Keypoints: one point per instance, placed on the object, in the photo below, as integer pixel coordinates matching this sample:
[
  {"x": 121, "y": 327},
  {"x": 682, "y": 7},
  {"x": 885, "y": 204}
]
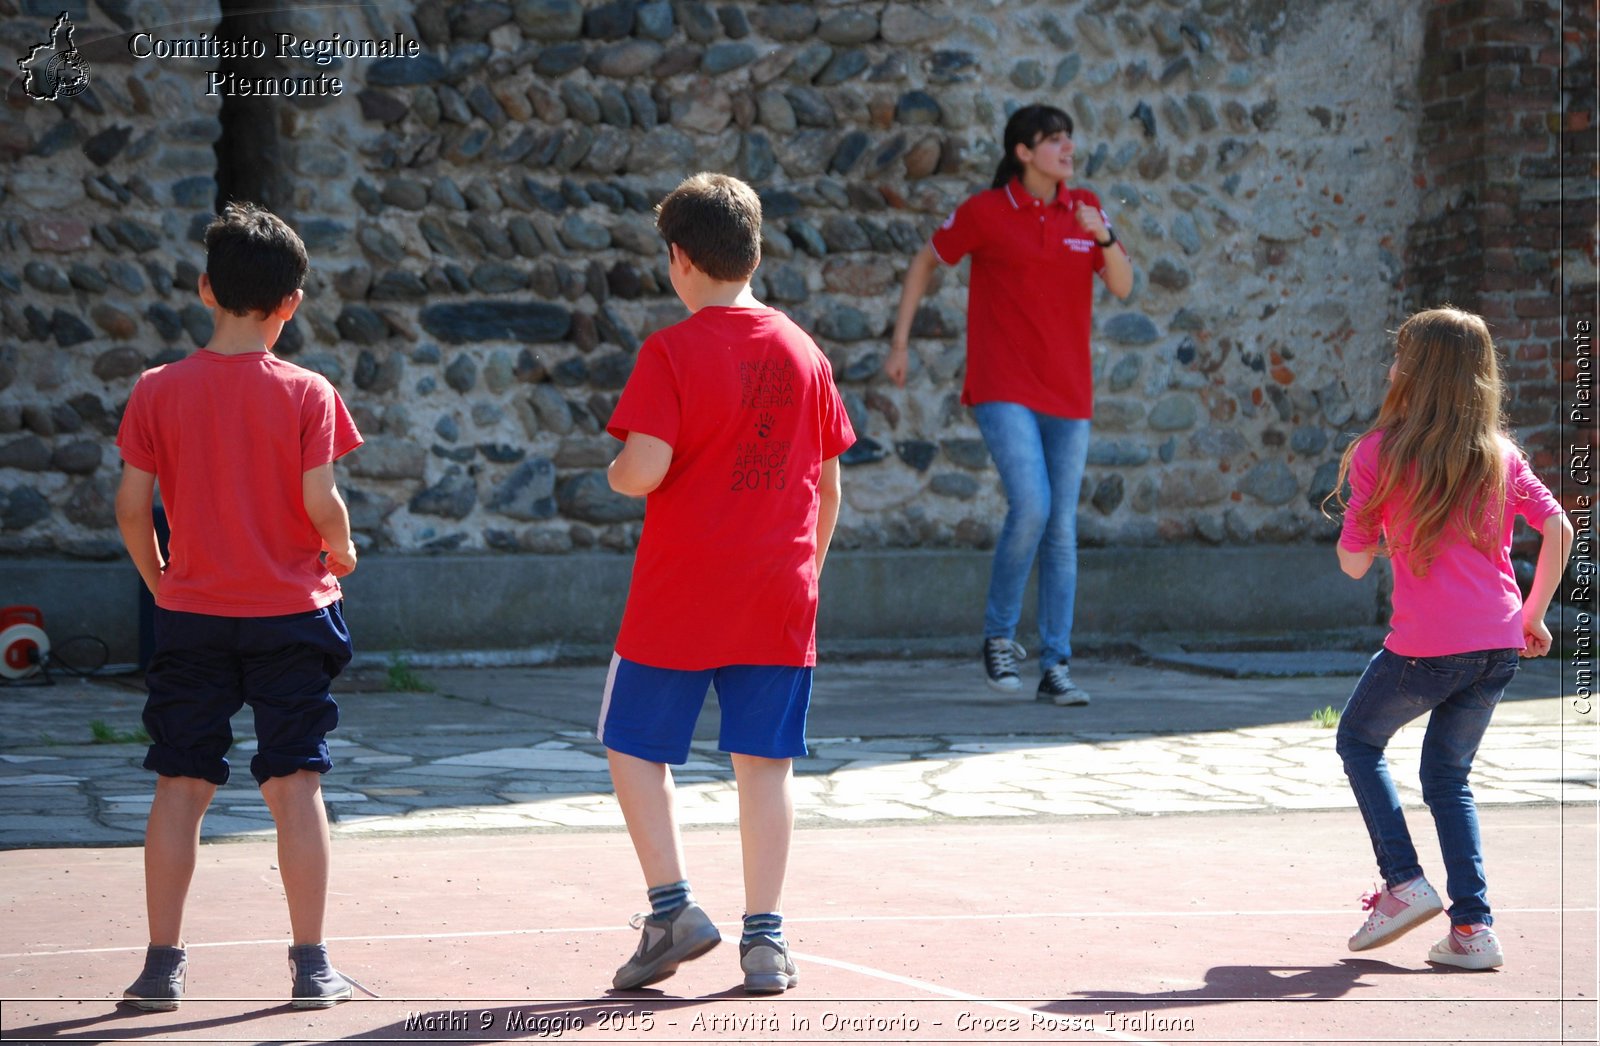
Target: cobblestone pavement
[{"x": 513, "y": 749}]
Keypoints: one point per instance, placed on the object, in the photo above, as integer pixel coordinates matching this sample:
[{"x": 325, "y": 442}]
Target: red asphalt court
[{"x": 1179, "y": 929}]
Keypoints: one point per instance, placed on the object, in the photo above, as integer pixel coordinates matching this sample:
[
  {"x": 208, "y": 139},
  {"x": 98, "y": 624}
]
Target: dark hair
[
  {"x": 716, "y": 220},
  {"x": 253, "y": 259},
  {"x": 1026, "y": 126}
]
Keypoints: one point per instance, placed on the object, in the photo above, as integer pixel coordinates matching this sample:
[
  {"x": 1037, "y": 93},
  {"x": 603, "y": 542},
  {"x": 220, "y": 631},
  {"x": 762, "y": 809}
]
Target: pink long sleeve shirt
[{"x": 1468, "y": 599}]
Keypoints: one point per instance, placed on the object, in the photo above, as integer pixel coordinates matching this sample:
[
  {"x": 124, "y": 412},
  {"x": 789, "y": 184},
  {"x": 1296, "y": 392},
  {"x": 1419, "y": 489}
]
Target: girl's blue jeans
[
  {"x": 1458, "y": 692},
  {"x": 1040, "y": 458}
]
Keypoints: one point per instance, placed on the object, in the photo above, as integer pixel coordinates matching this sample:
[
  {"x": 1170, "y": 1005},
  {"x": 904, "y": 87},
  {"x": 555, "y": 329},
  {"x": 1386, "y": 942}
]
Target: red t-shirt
[
  {"x": 726, "y": 571},
  {"x": 229, "y": 438},
  {"x": 1028, "y": 297}
]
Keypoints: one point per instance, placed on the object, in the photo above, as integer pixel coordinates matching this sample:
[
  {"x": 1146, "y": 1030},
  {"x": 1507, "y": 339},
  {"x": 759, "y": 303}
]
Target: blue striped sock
[
  {"x": 664, "y": 900},
  {"x": 768, "y": 925}
]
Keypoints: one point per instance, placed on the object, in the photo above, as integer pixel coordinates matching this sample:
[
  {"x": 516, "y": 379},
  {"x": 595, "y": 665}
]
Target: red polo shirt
[{"x": 1028, "y": 297}]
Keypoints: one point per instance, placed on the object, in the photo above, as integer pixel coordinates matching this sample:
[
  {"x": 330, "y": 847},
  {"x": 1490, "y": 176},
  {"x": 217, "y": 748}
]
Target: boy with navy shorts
[
  {"x": 732, "y": 428},
  {"x": 248, "y": 611}
]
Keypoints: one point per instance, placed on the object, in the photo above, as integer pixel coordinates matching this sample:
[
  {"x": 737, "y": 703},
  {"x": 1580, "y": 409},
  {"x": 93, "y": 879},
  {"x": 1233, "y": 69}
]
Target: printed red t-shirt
[
  {"x": 229, "y": 439},
  {"x": 725, "y": 573},
  {"x": 1028, "y": 297}
]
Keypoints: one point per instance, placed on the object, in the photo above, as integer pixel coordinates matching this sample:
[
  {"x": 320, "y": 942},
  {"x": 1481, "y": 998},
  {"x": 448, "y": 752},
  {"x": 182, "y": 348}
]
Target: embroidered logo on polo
[{"x": 1081, "y": 244}]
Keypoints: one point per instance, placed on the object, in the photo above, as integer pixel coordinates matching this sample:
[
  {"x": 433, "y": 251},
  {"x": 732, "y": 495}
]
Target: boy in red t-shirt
[
  {"x": 733, "y": 430},
  {"x": 247, "y": 610}
]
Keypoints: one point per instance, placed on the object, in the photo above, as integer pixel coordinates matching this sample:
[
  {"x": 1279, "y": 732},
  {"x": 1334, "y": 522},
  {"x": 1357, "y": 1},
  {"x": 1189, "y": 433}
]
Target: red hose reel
[{"x": 24, "y": 647}]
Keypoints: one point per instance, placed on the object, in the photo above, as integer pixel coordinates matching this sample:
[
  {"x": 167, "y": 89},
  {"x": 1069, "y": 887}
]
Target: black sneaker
[
  {"x": 687, "y": 933},
  {"x": 160, "y": 984},
  {"x": 1057, "y": 686},
  {"x": 317, "y": 985},
  {"x": 1000, "y": 657}
]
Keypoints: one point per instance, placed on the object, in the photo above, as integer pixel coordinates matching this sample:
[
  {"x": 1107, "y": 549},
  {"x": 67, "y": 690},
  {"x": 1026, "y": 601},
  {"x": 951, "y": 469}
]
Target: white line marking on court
[
  {"x": 952, "y": 993},
  {"x": 734, "y": 928}
]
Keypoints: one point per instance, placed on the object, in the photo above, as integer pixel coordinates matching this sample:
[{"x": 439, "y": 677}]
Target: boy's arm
[
  {"x": 328, "y": 514},
  {"x": 829, "y": 488},
  {"x": 640, "y": 466},
  {"x": 135, "y": 496},
  {"x": 1553, "y": 553}
]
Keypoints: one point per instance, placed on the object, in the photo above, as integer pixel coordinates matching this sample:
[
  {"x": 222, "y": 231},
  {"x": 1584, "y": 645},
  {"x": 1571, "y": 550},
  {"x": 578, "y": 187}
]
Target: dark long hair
[{"x": 1026, "y": 126}]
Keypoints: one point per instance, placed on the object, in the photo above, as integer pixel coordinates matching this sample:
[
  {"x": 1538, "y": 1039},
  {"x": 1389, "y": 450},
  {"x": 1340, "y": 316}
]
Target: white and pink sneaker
[
  {"x": 1469, "y": 947},
  {"x": 1393, "y": 911}
]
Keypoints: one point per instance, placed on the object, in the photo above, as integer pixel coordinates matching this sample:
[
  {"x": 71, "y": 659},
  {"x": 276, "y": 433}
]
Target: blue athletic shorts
[
  {"x": 650, "y": 712},
  {"x": 205, "y": 668}
]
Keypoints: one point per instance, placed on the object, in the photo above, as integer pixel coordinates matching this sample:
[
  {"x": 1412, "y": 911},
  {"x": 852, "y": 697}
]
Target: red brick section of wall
[
  {"x": 1579, "y": 134},
  {"x": 1507, "y": 163}
]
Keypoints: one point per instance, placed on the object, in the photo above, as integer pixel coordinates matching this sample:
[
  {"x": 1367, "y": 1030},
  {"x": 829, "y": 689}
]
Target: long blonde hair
[{"x": 1442, "y": 461}]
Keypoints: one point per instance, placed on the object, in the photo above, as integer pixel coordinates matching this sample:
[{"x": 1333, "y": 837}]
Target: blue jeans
[
  {"x": 1460, "y": 691},
  {"x": 1040, "y": 458}
]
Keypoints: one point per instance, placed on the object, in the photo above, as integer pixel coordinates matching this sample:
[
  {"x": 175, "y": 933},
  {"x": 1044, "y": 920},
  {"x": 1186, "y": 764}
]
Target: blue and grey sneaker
[
  {"x": 767, "y": 967},
  {"x": 160, "y": 986},
  {"x": 317, "y": 985},
  {"x": 1000, "y": 656},
  {"x": 687, "y": 933},
  {"x": 1056, "y": 685}
]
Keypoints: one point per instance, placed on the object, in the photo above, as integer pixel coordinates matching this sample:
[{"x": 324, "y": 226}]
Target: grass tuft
[
  {"x": 104, "y": 733},
  {"x": 402, "y": 677}
]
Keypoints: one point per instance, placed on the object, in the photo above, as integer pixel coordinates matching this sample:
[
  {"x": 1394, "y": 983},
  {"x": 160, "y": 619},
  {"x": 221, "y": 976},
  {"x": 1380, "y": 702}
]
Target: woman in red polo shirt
[{"x": 1036, "y": 245}]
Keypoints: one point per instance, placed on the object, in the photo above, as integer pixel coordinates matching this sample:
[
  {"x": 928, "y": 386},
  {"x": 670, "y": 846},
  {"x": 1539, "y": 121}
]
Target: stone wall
[
  {"x": 484, "y": 263},
  {"x": 99, "y": 199}
]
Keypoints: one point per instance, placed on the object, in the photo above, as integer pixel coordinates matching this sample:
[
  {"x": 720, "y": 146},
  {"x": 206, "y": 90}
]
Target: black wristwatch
[{"x": 1111, "y": 237}]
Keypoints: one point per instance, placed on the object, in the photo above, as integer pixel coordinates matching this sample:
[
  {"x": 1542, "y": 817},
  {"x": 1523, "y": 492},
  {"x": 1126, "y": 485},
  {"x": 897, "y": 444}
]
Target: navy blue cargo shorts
[{"x": 206, "y": 668}]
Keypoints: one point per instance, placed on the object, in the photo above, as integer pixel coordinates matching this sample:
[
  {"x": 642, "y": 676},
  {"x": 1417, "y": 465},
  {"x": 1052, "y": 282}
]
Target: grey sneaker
[
  {"x": 1057, "y": 685},
  {"x": 767, "y": 966},
  {"x": 317, "y": 985},
  {"x": 686, "y": 934},
  {"x": 160, "y": 986},
  {"x": 1000, "y": 663}
]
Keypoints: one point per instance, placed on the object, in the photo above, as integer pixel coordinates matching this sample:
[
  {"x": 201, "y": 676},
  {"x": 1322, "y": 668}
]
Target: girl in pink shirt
[{"x": 1436, "y": 484}]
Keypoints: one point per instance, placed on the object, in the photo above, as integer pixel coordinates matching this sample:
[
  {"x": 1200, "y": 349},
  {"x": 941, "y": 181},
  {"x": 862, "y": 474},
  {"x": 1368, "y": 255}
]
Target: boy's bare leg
[
  {"x": 644, "y": 791},
  {"x": 766, "y": 825},
  {"x": 303, "y": 849},
  {"x": 171, "y": 848}
]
